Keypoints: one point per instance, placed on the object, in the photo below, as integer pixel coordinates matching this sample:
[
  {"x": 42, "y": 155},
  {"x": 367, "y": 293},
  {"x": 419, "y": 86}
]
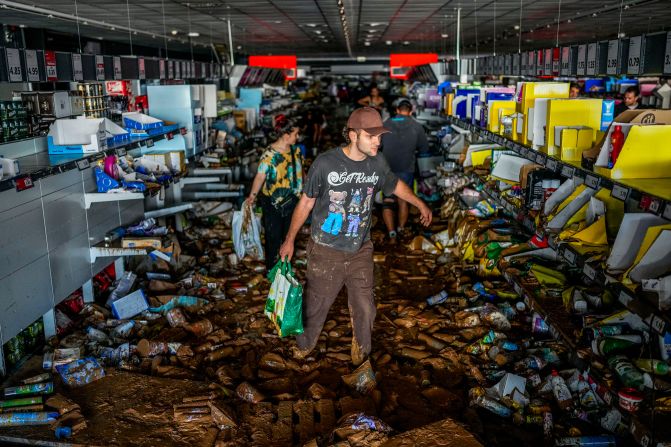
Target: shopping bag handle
[{"x": 286, "y": 267}]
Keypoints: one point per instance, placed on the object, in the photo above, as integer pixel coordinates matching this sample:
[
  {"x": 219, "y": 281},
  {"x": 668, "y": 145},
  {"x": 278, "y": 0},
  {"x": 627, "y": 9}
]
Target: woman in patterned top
[{"x": 279, "y": 179}]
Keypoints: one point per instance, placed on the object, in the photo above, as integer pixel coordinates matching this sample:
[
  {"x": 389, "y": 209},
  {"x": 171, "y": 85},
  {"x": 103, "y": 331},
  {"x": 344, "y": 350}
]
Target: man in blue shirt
[{"x": 398, "y": 147}]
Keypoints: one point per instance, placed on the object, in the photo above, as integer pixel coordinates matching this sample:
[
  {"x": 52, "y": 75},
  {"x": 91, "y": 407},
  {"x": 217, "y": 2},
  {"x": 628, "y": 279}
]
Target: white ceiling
[{"x": 313, "y": 27}]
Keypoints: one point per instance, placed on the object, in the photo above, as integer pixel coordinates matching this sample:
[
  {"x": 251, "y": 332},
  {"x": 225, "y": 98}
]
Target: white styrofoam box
[
  {"x": 62, "y": 105},
  {"x": 76, "y": 136},
  {"x": 136, "y": 120},
  {"x": 130, "y": 305},
  {"x": 8, "y": 167},
  {"x": 111, "y": 129}
]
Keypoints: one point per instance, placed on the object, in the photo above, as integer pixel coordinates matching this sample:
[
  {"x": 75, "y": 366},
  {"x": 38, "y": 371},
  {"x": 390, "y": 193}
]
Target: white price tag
[
  {"x": 654, "y": 206},
  {"x": 634, "y": 58},
  {"x": 570, "y": 256},
  {"x": 140, "y": 67},
  {"x": 117, "y": 67},
  {"x": 613, "y": 47},
  {"x": 592, "y": 181},
  {"x": 77, "y": 70},
  {"x": 565, "y": 61},
  {"x": 551, "y": 164},
  {"x": 161, "y": 68},
  {"x": 171, "y": 70},
  {"x": 625, "y": 298},
  {"x": 14, "y": 65},
  {"x": 100, "y": 68},
  {"x": 591, "y": 58},
  {"x": 567, "y": 171},
  {"x": 531, "y": 67},
  {"x": 620, "y": 192},
  {"x": 582, "y": 60},
  {"x": 32, "y": 69},
  {"x": 667, "y": 211},
  {"x": 658, "y": 324},
  {"x": 667, "y": 54},
  {"x": 589, "y": 271},
  {"x": 548, "y": 62}
]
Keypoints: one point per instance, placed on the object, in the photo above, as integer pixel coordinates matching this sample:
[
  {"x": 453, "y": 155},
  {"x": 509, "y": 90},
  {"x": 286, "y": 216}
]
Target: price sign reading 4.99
[{"x": 32, "y": 69}]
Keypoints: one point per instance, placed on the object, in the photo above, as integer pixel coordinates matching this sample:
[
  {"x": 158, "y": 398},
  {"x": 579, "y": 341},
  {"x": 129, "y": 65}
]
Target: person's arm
[
  {"x": 403, "y": 192},
  {"x": 256, "y": 187},
  {"x": 301, "y": 213},
  {"x": 422, "y": 142},
  {"x": 364, "y": 101}
]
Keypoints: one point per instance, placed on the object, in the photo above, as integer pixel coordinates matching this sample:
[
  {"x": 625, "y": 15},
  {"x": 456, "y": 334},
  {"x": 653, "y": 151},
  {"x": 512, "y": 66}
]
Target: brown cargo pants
[{"x": 327, "y": 271}]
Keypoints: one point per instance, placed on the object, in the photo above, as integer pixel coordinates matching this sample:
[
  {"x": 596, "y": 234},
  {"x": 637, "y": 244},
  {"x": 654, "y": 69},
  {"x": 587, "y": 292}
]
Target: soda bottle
[
  {"x": 653, "y": 366},
  {"x": 626, "y": 371},
  {"x": 616, "y": 143},
  {"x": 561, "y": 391},
  {"x": 495, "y": 407}
]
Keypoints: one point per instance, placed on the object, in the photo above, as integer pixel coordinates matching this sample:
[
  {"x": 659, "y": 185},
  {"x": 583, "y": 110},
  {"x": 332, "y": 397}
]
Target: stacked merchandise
[
  {"x": 14, "y": 124},
  {"x": 95, "y": 99}
]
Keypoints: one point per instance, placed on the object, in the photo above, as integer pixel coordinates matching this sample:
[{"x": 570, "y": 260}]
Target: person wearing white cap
[{"x": 339, "y": 191}]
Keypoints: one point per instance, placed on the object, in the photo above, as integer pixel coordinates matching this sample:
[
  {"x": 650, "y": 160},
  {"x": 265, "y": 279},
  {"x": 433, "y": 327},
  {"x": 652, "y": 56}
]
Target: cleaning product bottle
[
  {"x": 616, "y": 143},
  {"x": 561, "y": 391}
]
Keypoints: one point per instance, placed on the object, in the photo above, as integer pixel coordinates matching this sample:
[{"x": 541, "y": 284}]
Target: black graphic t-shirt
[{"x": 345, "y": 190}]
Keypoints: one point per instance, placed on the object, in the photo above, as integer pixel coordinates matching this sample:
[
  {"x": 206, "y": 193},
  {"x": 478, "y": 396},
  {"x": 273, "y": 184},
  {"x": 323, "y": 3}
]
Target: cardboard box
[
  {"x": 135, "y": 120},
  {"x": 571, "y": 113},
  {"x": 572, "y": 141},
  {"x": 130, "y": 305},
  {"x": 141, "y": 242},
  {"x": 529, "y": 92}
]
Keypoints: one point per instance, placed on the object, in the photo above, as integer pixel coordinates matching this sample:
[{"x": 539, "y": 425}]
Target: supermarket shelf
[
  {"x": 653, "y": 195},
  {"x": 211, "y": 171},
  {"x": 197, "y": 180},
  {"x": 168, "y": 211},
  {"x": 100, "y": 251},
  {"x": 110, "y": 197},
  {"x": 41, "y": 165}
]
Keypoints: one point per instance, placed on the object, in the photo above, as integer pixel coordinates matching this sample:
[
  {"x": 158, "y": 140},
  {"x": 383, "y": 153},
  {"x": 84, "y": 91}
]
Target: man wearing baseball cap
[{"x": 339, "y": 193}]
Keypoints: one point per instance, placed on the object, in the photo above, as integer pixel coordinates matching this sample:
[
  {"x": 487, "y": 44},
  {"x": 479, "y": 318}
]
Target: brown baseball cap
[{"x": 368, "y": 119}]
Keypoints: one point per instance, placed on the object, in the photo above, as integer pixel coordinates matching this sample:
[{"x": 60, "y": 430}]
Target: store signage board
[
  {"x": 613, "y": 46},
  {"x": 50, "y": 64},
  {"x": 634, "y": 60},
  {"x": 667, "y": 54},
  {"x": 565, "y": 61},
  {"x": 547, "y": 60},
  {"x": 117, "y": 67},
  {"x": 516, "y": 64},
  {"x": 582, "y": 57},
  {"x": 32, "y": 68},
  {"x": 539, "y": 63},
  {"x": 77, "y": 69},
  {"x": 591, "y": 59},
  {"x": 556, "y": 61},
  {"x": 171, "y": 69},
  {"x": 140, "y": 67},
  {"x": 100, "y": 68},
  {"x": 14, "y": 71},
  {"x": 531, "y": 67},
  {"x": 161, "y": 69},
  {"x": 524, "y": 63}
]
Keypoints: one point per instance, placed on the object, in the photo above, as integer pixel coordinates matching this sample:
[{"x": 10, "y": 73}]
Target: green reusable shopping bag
[{"x": 284, "y": 306}]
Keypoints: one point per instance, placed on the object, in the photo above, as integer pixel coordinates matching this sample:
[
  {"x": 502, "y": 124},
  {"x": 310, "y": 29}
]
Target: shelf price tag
[
  {"x": 140, "y": 67},
  {"x": 654, "y": 206},
  {"x": 547, "y": 61},
  {"x": 77, "y": 70},
  {"x": 620, "y": 192},
  {"x": 540, "y": 159},
  {"x": 589, "y": 271},
  {"x": 149, "y": 143},
  {"x": 611, "y": 64},
  {"x": 667, "y": 54},
  {"x": 50, "y": 65},
  {"x": 121, "y": 152},
  {"x": 634, "y": 60},
  {"x": 23, "y": 183},
  {"x": 667, "y": 211},
  {"x": 570, "y": 256},
  {"x": 14, "y": 65},
  {"x": 32, "y": 69},
  {"x": 591, "y": 58},
  {"x": 83, "y": 164},
  {"x": 567, "y": 171},
  {"x": 625, "y": 298},
  {"x": 100, "y": 68},
  {"x": 582, "y": 60},
  {"x": 117, "y": 67},
  {"x": 592, "y": 181},
  {"x": 551, "y": 164}
]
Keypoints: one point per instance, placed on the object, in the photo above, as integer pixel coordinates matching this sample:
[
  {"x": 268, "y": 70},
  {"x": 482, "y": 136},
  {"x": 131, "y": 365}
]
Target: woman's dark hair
[{"x": 283, "y": 127}]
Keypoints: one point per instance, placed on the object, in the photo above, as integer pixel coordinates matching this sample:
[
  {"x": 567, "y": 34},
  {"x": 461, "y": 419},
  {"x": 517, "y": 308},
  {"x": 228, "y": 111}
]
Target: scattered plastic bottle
[
  {"x": 63, "y": 432},
  {"x": 96, "y": 334},
  {"x": 626, "y": 371},
  {"x": 561, "y": 391},
  {"x": 586, "y": 441},
  {"x": 438, "y": 298},
  {"x": 616, "y": 143},
  {"x": 653, "y": 366}
]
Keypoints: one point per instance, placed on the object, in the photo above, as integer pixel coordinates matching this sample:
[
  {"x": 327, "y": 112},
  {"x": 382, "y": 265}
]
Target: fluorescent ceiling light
[{"x": 193, "y": 34}]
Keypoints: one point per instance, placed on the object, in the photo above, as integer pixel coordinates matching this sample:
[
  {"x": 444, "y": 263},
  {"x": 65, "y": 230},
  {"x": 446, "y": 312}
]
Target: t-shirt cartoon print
[{"x": 345, "y": 190}]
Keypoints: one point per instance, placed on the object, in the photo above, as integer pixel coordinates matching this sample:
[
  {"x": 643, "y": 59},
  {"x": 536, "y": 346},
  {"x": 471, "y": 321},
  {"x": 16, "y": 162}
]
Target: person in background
[
  {"x": 338, "y": 194},
  {"x": 574, "y": 90},
  {"x": 398, "y": 147},
  {"x": 631, "y": 101},
  {"x": 373, "y": 100},
  {"x": 279, "y": 179}
]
